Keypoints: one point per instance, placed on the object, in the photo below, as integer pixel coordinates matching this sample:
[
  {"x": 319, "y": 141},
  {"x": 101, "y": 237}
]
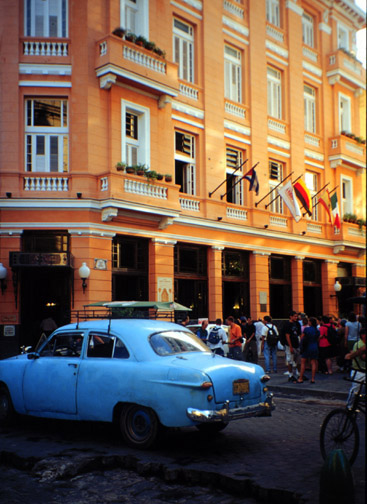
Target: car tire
[
  {"x": 6, "y": 406},
  {"x": 212, "y": 428},
  {"x": 139, "y": 426}
]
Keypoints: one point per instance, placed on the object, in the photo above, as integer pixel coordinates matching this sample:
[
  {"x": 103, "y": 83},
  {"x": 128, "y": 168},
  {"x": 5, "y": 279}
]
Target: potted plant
[
  {"x": 140, "y": 169},
  {"x": 168, "y": 177},
  {"x": 141, "y": 41},
  {"x": 361, "y": 223},
  {"x": 119, "y": 32},
  {"x": 149, "y": 45},
  {"x": 130, "y": 37},
  {"x": 159, "y": 52},
  {"x": 151, "y": 175},
  {"x": 120, "y": 166},
  {"x": 159, "y": 176},
  {"x": 130, "y": 169}
]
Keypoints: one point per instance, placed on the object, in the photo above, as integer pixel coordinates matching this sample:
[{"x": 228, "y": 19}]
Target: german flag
[{"x": 304, "y": 195}]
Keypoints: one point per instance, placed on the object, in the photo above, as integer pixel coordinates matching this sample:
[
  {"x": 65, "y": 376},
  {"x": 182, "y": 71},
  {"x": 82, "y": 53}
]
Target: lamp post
[
  {"x": 84, "y": 273},
  {"x": 337, "y": 288},
  {"x": 3, "y": 275}
]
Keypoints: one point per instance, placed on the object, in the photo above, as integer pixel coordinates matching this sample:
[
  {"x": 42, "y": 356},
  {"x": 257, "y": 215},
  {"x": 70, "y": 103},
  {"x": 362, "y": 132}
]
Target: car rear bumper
[{"x": 227, "y": 414}]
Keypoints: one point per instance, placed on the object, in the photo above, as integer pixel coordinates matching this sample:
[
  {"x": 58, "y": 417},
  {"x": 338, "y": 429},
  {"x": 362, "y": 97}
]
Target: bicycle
[{"x": 339, "y": 429}]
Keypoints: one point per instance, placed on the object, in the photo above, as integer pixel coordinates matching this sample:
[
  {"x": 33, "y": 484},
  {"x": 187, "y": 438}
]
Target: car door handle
[{"x": 72, "y": 364}]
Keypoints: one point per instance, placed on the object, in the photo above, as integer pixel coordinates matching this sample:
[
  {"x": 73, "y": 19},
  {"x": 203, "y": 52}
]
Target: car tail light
[{"x": 206, "y": 385}]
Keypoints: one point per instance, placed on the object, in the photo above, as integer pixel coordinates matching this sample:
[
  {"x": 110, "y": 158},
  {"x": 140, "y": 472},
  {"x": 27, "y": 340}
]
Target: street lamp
[
  {"x": 3, "y": 274},
  {"x": 84, "y": 273},
  {"x": 337, "y": 288}
]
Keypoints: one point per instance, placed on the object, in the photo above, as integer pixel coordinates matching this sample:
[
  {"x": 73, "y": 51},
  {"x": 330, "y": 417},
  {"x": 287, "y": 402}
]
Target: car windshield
[{"x": 175, "y": 342}]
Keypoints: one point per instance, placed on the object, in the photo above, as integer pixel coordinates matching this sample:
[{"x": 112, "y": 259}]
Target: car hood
[{"x": 222, "y": 373}]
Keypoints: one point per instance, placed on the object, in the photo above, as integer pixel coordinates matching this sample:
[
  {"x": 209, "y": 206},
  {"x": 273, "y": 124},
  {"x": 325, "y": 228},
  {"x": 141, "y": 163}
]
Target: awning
[{"x": 154, "y": 305}]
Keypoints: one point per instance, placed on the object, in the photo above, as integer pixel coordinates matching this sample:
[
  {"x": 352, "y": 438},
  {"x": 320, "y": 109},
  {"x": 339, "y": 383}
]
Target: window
[
  {"x": 190, "y": 260},
  {"x": 275, "y": 177},
  {"x": 343, "y": 37},
  {"x": 183, "y": 49},
  {"x": 234, "y": 186},
  {"x": 185, "y": 175},
  {"x": 63, "y": 345},
  {"x": 274, "y": 93},
  {"x": 344, "y": 113},
  {"x": 136, "y": 140},
  {"x": 46, "y": 135},
  {"x": 232, "y": 74},
  {"x": 45, "y": 241},
  {"x": 45, "y": 18},
  {"x": 307, "y": 30},
  {"x": 134, "y": 16},
  {"x": 347, "y": 196},
  {"x": 273, "y": 12},
  {"x": 309, "y": 97},
  {"x": 312, "y": 185}
]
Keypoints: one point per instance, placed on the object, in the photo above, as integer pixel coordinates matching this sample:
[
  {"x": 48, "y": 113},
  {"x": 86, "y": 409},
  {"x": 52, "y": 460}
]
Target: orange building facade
[{"x": 199, "y": 90}]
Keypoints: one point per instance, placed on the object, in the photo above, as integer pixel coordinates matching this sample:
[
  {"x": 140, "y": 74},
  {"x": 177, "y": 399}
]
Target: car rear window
[{"x": 176, "y": 342}]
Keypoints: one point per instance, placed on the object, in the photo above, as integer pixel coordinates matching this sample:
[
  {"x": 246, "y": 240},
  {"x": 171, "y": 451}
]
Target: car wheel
[
  {"x": 6, "y": 406},
  {"x": 139, "y": 426},
  {"x": 212, "y": 428}
]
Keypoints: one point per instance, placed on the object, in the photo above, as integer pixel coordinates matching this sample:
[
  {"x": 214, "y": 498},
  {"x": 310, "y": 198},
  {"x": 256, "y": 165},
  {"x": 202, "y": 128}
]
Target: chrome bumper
[{"x": 226, "y": 414}]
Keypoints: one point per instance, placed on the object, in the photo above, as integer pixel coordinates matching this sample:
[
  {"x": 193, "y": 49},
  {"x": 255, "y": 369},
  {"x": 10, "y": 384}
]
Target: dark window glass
[
  {"x": 235, "y": 264},
  {"x": 280, "y": 268},
  {"x": 131, "y": 125},
  {"x": 312, "y": 271},
  {"x": 190, "y": 260},
  {"x": 130, "y": 254},
  {"x": 44, "y": 241}
]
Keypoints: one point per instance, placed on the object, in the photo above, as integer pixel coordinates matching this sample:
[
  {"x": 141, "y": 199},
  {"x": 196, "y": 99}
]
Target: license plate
[{"x": 241, "y": 386}]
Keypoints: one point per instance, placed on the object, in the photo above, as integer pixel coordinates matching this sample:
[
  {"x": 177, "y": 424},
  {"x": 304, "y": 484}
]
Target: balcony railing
[
  {"x": 45, "y": 47},
  {"x": 45, "y": 183},
  {"x": 342, "y": 65}
]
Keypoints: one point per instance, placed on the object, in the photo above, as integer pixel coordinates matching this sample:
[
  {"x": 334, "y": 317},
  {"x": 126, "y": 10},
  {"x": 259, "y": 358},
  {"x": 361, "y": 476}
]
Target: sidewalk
[{"x": 333, "y": 386}]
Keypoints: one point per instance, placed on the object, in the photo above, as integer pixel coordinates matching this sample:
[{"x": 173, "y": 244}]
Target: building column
[
  {"x": 297, "y": 284},
  {"x": 215, "y": 285},
  {"x": 161, "y": 270},
  {"x": 330, "y": 303},
  {"x": 259, "y": 284}
]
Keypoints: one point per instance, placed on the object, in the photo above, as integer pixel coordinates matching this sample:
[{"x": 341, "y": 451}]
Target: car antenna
[{"x": 109, "y": 322}]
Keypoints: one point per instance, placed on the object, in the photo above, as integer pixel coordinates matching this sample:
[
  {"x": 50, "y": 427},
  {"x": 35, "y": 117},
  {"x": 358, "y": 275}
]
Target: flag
[
  {"x": 324, "y": 200},
  {"x": 251, "y": 176},
  {"x": 304, "y": 195},
  {"x": 335, "y": 210},
  {"x": 289, "y": 198}
]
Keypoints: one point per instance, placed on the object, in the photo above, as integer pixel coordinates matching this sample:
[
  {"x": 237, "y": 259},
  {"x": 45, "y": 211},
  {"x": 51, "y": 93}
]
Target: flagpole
[
  {"x": 336, "y": 187},
  {"x": 266, "y": 195},
  {"x": 276, "y": 197},
  {"x": 238, "y": 181},
  {"x": 210, "y": 194}
]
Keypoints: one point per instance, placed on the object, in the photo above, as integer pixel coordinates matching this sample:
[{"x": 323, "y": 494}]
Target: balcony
[
  {"x": 346, "y": 150},
  {"x": 118, "y": 60},
  {"x": 342, "y": 66}
]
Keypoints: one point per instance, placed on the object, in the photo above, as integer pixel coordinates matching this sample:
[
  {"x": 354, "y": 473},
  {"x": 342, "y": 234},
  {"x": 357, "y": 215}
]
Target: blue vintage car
[{"x": 142, "y": 374}]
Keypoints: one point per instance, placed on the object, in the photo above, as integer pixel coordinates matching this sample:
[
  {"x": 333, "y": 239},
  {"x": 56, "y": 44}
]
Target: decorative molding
[
  {"x": 313, "y": 155},
  {"x": 44, "y": 69},
  {"x": 325, "y": 28},
  {"x": 243, "y": 30},
  {"x": 260, "y": 253},
  {"x": 235, "y": 36},
  {"x": 299, "y": 258},
  {"x": 278, "y": 142},
  {"x": 335, "y": 75},
  {"x": 187, "y": 109},
  {"x": 277, "y": 49},
  {"x": 218, "y": 248},
  {"x": 195, "y": 4},
  {"x": 53, "y": 84},
  {"x": 187, "y": 121},
  {"x": 165, "y": 222},
  {"x": 163, "y": 101},
  {"x": 107, "y": 80},
  {"x": 294, "y": 7},
  {"x": 108, "y": 214},
  {"x": 312, "y": 68},
  {"x": 338, "y": 249},
  {"x": 238, "y": 139},
  {"x": 279, "y": 153},
  {"x": 237, "y": 128},
  {"x": 163, "y": 241}
]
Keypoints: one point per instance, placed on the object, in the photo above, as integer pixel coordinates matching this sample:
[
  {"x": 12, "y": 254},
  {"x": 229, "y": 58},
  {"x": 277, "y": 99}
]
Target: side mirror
[{"x": 33, "y": 355}]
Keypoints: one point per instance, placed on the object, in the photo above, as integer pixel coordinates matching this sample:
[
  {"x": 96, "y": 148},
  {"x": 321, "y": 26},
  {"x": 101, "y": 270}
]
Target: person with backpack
[
  {"x": 269, "y": 344},
  {"x": 217, "y": 338},
  {"x": 290, "y": 340},
  {"x": 202, "y": 332},
  {"x": 235, "y": 339},
  {"x": 250, "y": 348}
]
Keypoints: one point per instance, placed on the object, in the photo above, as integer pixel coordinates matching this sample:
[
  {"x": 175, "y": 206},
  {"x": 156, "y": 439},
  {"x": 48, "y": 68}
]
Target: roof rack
[{"x": 120, "y": 313}]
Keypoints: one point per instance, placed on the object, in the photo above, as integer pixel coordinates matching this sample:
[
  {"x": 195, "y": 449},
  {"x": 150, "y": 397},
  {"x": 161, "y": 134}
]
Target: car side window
[
  {"x": 121, "y": 352},
  {"x": 100, "y": 345},
  {"x": 63, "y": 345}
]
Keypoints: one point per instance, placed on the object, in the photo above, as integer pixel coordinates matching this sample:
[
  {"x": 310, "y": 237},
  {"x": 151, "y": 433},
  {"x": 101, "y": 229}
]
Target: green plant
[
  {"x": 168, "y": 177},
  {"x": 159, "y": 176},
  {"x": 141, "y": 41},
  {"x": 130, "y": 169},
  {"x": 149, "y": 45},
  {"x": 361, "y": 223},
  {"x": 159, "y": 52},
  {"x": 119, "y": 31},
  {"x": 120, "y": 166},
  {"x": 350, "y": 217},
  {"x": 130, "y": 37}
]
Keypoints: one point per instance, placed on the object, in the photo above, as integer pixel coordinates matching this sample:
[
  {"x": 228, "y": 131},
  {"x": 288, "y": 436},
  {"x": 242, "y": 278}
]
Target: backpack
[
  {"x": 272, "y": 337},
  {"x": 332, "y": 335},
  {"x": 214, "y": 337}
]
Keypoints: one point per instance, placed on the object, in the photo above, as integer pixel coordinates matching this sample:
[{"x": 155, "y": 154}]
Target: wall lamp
[
  {"x": 84, "y": 273},
  {"x": 9, "y": 195},
  {"x": 219, "y": 218},
  {"x": 3, "y": 274},
  {"x": 266, "y": 226},
  {"x": 337, "y": 288},
  {"x": 79, "y": 195}
]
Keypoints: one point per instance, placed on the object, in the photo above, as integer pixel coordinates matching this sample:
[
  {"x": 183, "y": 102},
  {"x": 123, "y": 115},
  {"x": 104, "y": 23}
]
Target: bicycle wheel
[{"x": 339, "y": 430}]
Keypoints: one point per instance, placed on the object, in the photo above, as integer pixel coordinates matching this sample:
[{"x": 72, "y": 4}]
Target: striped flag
[
  {"x": 324, "y": 201},
  {"x": 289, "y": 198},
  {"x": 304, "y": 195},
  {"x": 335, "y": 210},
  {"x": 251, "y": 176}
]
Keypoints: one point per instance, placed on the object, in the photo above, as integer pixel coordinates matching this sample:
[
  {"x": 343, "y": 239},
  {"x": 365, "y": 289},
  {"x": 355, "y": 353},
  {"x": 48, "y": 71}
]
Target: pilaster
[
  {"x": 161, "y": 270},
  {"x": 329, "y": 271},
  {"x": 215, "y": 282},
  {"x": 297, "y": 284},
  {"x": 259, "y": 284}
]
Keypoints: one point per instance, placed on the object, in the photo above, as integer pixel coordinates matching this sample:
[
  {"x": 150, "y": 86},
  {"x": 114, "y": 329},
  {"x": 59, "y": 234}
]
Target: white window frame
[
  {"x": 274, "y": 85},
  {"x": 309, "y": 98},
  {"x": 183, "y": 49},
  {"x": 142, "y": 143},
  {"x": 346, "y": 193},
  {"x": 275, "y": 206},
  {"x": 343, "y": 37},
  {"x": 273, "y": 12},
  {"x": 35, "y": 162},
  {"x": 189, "y": 170},
  {"x": 33, "y": 7},
  {"x": 134, "y": 16},
  {"x": 232, "y": 74},
  {"x": 308, "y": 34},
  {"x": 345, "y": 113},
  {"x": 311, "y": 181},
  {"x": 237, "y": 187}
]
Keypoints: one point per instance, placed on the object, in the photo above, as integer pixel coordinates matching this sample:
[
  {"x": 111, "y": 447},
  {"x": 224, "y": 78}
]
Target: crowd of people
[{"x": 322, "y": 344}]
